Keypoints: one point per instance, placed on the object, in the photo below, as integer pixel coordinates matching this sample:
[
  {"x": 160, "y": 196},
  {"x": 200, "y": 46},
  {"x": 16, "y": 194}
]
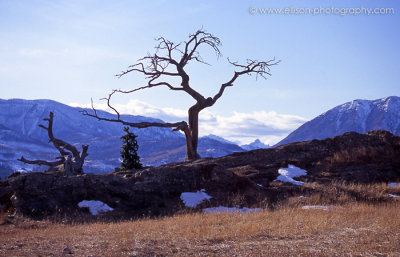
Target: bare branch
[
  {"x": 259, "y": 68},
  {"x": 156, "y": 66},
  {"x": 108, "y": 103},
  {"x": 58, "y": 143},
  {"x": 176, "y": 125},
  {"x": 199, "y": 38},
  {"x": 41, "y": 162}
]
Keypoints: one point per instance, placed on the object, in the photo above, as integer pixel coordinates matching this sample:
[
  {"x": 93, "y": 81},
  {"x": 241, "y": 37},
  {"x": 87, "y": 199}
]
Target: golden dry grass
[
  {"x": 349, "y": 229},
  {"x": 341, "y": 192},
  {"x": 359, "y": 155}
]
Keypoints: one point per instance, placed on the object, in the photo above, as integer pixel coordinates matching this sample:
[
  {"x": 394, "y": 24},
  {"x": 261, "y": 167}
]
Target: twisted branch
[
  {"x": 78, "y": 158},
  {"x": 41, "y": 162},
  {"x": 58, "y": 143}
]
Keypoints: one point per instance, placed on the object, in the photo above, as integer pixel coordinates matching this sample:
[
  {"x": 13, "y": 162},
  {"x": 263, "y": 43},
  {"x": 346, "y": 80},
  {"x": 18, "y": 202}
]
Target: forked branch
[
  {"x": 58, "y": 143},
  {"x": 252, "y": 67},
  {"x": 71, "y": 160}
]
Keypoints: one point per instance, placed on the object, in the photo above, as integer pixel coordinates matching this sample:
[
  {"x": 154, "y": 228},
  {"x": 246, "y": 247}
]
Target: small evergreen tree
[{"x": 130, "y": 157}]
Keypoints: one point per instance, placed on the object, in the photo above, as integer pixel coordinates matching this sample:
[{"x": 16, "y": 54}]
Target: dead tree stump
[{"x": 70, "y": 161}]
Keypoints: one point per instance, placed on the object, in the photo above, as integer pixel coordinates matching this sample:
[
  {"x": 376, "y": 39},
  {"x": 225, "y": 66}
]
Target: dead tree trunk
[{"x": 69, "y": 162}]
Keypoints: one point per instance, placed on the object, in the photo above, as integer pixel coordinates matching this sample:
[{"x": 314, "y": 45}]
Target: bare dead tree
[
  {"x": 70, "y": 160},
  {"x": 170, "y": 61}
]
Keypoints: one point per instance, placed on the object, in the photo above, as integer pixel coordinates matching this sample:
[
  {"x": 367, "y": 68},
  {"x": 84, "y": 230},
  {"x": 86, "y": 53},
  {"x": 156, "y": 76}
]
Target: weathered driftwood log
[{"x": 70, "y": 160}]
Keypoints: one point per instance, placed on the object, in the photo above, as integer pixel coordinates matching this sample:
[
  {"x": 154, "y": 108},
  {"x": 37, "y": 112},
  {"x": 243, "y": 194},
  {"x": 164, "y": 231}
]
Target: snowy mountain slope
[
  {"x": 218, "y": 138},
  {"x": 257, "y": 144},
  {"x": 21, "y": 135},
  {"x": 358, "y": 115}
]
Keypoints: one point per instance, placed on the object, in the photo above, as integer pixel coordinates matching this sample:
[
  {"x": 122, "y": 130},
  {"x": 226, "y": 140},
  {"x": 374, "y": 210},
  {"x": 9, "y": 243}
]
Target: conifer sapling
[{"x": 130, "y": 157}]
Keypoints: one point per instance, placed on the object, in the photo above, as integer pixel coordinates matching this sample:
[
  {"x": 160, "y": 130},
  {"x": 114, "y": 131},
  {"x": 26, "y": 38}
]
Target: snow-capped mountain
[
  {"x": 21, "y": 135},
  {"x": 358, "y": 115},
  {"x": 218, "y": 138},
  {"x": 257, "y": 144}
]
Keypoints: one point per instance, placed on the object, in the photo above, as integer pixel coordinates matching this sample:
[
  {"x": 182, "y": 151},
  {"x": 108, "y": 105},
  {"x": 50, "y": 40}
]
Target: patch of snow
[
  {"x": 385, "y": 102},
  {"x": 95, "y": 207},
  {"x": 287, "y": 175},
  {"x": 221, "y": 209},
  {"x": 259, "y": 185},
  {"x": 191, "y": 199},
  {"x": 320, "y": 207},
  {"x": 315, "y": 207},
  {"x": 302, "y": 196},
  {"x": 393, "y": 196},
  {"x": 393, "y": 184},
  {"x": 24, "y": 170}
]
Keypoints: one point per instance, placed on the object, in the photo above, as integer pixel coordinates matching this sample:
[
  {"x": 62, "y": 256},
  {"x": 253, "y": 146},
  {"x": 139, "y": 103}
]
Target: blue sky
[{"x": 70, "y": 51}]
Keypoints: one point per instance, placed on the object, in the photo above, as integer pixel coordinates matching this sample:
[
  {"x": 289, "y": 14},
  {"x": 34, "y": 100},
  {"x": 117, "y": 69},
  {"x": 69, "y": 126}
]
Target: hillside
[
  {"x": 358, "y": 116},
  {"x": 20, "y": 135}
]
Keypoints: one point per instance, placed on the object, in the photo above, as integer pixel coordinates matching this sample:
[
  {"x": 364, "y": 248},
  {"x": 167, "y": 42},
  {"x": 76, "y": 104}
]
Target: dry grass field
[{"x": 350, "y": 227}]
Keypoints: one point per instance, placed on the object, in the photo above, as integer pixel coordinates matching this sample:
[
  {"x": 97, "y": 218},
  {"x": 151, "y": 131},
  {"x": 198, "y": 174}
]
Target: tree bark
[
  {"x": 191, "y": 153},
  {"x": 193, "y": 116}
]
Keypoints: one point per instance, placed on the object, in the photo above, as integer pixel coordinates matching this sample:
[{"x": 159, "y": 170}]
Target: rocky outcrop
[
  {"x": 150, "y": 191},
  {"x": 371, "y": 157},
  {"x": 360, "y": 158}
]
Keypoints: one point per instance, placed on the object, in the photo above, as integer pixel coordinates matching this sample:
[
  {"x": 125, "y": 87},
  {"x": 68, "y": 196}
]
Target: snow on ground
[
  {"x": 23, "y": 170},
  {"x": 221, "y": 209},
  {"x": 95, "y": 207},
  {"x": 191, "y": 199},
  {"x": 393, "y": 184},
  {"x": 315, "y": 207},
  {"x": 320, "y": 207},
  {"x": 287, "y": 175},
  {"x": 392, "y": 195}
]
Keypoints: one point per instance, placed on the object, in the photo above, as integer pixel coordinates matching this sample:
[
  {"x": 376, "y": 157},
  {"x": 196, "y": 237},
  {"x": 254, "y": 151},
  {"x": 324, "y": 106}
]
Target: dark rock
[
  {"x": 14, "y": 174},
  {"x": 151, "y": 191},
  {"x": 360, "y": 158},
  {"x": 67, "y": 250}
]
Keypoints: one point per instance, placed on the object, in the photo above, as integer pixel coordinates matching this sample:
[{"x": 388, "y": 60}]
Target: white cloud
[
  {"x": 269, "y": 127},
  {"x": 243, "y": 128}
]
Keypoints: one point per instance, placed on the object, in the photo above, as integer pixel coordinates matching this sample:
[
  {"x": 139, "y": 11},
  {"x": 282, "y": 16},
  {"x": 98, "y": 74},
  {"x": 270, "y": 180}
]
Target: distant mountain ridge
[
  {"x": 358, "y": 116},
  {"x": 256, "y": 144},
  {"x": 20, "y": 135}
]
